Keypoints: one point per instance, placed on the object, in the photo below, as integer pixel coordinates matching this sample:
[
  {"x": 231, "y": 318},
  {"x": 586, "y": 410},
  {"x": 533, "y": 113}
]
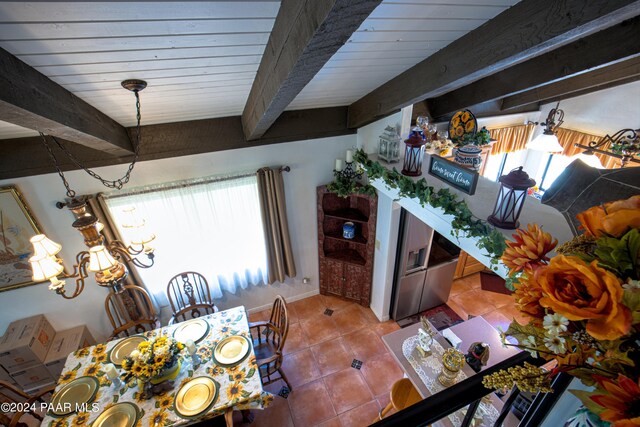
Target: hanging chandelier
[
  {"x": 105, "y": 260},
  {"x": 547, "y": 141},
  {"x": 623, "y": 145}
]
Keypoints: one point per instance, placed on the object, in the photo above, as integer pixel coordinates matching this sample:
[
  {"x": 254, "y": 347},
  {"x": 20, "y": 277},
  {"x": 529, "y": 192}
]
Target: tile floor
[{"x": 319, "y": 350}]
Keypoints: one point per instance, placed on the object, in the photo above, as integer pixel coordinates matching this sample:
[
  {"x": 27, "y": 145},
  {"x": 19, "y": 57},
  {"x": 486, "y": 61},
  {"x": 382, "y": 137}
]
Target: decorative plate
[
  {"x": 195, "y": 397},
  {"x": 463, "y": 122},
  {"x": 124, "y": 348},
  {"x": 195, "y": 329},
  {"x": 124, "y": 414},
  {"x": 231, "y": 350},
  {"x": 77, "y": 392}
]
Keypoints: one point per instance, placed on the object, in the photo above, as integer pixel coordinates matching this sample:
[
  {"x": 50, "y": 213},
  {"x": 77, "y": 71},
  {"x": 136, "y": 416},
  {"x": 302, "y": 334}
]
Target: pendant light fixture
[
  {"x": 547, "y": 141},
  {"x": 623, "y": 145},
  {"x": 105, "y": 260}
]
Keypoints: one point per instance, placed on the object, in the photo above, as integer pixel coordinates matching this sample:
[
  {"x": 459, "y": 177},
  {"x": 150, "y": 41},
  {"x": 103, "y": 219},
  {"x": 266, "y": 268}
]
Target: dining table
[
  {"x": 203, "y": 388},
  {"x": 423, "y": 370}
]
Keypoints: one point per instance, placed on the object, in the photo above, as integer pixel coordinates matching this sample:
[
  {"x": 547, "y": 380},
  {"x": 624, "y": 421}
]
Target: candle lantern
[
  {"x": 414, "y": 153},
  {"x": 389, "y": 145},
  {"x": 511, "y": 197}
]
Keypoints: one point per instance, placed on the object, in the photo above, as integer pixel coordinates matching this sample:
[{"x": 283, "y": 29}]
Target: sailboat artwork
[{"x": 16, "y": 228}]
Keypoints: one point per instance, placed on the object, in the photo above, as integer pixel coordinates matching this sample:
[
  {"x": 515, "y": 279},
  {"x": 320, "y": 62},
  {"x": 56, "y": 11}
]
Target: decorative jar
[
  {"x": 348, "y": 230},
  {"x": 470, "y": 156}
]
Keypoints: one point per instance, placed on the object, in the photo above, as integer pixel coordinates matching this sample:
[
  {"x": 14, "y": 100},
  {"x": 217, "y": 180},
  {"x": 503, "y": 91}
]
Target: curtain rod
[{"x": 187, "y": 183}]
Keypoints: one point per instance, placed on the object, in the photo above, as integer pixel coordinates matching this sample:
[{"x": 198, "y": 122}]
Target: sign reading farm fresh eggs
[{"x": 453, "y": 174}]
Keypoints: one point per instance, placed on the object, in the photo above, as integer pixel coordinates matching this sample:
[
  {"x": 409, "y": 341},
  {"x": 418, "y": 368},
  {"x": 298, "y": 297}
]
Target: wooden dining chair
[
  {"x": 403, "y": 394},
  {"x": 131, "y": 312},
  {"x": 189, "y": 296},
  {"x": 268, "y": 342},
  {"x": 13, "y": 395}
]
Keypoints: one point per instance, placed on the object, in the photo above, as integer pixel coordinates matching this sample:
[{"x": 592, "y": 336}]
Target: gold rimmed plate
[
  {"x": 195, "y": 329},
  {"x": 231, "y": 350},
  {"x": 195, "y": 397},
  {"x": 124, "y": 348},
  {"x": 77, "y": 392},
  {"x": 124, "y": 414}
]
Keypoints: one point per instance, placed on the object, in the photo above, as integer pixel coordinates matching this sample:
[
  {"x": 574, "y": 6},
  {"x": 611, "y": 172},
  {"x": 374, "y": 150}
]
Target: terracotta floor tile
[
  {"x": 384, "y": 328},
  {"x": 381, "y": 372},
  {"x": 260, "y": 315},
  {"x": 350, "y": 319},
  {"x": 459, "y": 310},
  {"x": 473, "y": 280},
  {"x": 300, "y": 368},
  {"x": 473, "y": 303},
  {"x": 459, "y": 286},
  {"x": 383, "y": 400},
  {"x": 347, "y": 389},
  {"x": 308, "y": 307},
  {"x": 362, "y": 416},
  {"x": 496, "y": 299},
  {"x": 335, "y": 303},
  {"x": 296, "y": 339},
  {"x": 511, "y": 312},
  {"x": 310, "y": 404},
  {"x": 333, "y": 422},
  {"x": 368, "y": 314},
  {"x": 319, "y": 328},
  {"x": 495, "y": 318},
  {"x": 332, "y": 356},
  {"x": 364, "y": 344},
  {"x": 277, "y": 414}
]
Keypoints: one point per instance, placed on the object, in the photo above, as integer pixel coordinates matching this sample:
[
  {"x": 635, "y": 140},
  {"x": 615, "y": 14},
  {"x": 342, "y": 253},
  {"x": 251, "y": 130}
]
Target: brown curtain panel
[
  {"x": 276, "y": 227},
  {"x": 110, "y": 232},
  {"x": 568, "y": 138},
  {"x": 511, "y": 138}
]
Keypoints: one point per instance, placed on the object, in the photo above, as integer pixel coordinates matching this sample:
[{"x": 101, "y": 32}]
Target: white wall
[{"x": 311, "y": 165}]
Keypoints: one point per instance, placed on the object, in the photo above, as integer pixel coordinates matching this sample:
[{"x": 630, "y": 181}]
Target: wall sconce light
[
  {"x": 623, "y": 145},
  {"x": 548, "y": 141},
  {"x": 511, "y": 197},
  {"x": 414, "y": 153}
]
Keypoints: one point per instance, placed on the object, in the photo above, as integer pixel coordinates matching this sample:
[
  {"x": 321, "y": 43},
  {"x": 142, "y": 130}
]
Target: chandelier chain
[
  {"x": 117, "y": 183},
  {"x": 70, "y": 192}
]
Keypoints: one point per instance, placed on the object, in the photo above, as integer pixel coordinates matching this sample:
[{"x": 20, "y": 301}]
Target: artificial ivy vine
[
  {"x": 464, "y": 222},
  {"x": 344, "y": 187}
]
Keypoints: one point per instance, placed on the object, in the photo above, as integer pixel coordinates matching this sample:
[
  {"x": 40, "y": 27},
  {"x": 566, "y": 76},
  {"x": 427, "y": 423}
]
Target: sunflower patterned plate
[
  {"x": 463, "y": 122},
  {"x": 123, "y": 414},
  {"x": 231, "y": 350},
  {"x": 124, "y": 348},
  {"x": 77, "y": 392},
  {"x": 196, "y": 397},
  {"x": 195, "y": 329}
]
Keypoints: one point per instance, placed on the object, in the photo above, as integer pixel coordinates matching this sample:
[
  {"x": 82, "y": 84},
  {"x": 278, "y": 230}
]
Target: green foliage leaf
[{"x": 622, "y": 256}]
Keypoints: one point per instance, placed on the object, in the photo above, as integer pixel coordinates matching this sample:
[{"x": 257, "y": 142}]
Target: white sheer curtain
[{"x": 214, "y": 228}]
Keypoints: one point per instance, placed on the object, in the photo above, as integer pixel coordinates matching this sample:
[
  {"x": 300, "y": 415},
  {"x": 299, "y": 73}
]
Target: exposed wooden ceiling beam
[
  {"x": 613, "y": 75},
  {"x": 605, "y": 47},
  {"x": 524, "y": 31},
  {"x": 490, "y": 109},
  {"x": 26, "y": 156},
  {"x": 31, "y": 100},
  {"x": 305, "y": 36}
]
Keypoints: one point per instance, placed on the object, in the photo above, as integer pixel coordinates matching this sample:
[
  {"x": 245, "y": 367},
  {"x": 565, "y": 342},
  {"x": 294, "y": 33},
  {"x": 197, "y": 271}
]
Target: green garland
[
  {"x": 463, "y": 223},
  {"x": 344, "y": 187}
]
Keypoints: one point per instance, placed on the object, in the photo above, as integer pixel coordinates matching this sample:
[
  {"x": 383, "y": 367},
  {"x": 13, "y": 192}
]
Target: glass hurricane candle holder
[{"x": 452, "y": 362}]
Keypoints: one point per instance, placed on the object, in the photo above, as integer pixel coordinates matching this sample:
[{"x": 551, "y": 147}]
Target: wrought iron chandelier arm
[
  {"x": 121, "y": 252},
  {"x": 79, "y": 274}
]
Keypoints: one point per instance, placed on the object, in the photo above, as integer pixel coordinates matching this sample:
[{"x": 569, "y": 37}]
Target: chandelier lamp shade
[
  {"x": 414, "y": 153},
  {"x": 106, "y": 260},
  {"x": 547, "y": 141},
  {"x": 511, "y": 197}
]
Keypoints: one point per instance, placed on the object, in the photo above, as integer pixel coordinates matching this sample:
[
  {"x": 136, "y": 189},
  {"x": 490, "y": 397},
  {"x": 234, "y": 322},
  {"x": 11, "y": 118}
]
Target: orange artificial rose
[
  {"x": 581, "y": 291},
  {"x": 613, "y": 218},
  {"x": 527, "y": 296}
]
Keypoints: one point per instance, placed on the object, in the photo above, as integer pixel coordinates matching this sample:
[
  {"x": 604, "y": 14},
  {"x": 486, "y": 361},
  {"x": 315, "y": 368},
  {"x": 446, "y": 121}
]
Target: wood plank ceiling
[{"x": 200, "y": 58}]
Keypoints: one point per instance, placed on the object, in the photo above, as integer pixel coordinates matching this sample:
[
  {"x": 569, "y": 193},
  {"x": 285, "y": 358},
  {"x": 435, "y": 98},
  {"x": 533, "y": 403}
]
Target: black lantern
[
  {"x": 414, "y": 153},
  {"x": 513, "y": 191}
]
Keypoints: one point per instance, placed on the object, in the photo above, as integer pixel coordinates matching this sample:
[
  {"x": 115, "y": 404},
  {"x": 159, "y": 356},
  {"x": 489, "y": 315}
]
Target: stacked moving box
[{"x": 32, "y": 355}]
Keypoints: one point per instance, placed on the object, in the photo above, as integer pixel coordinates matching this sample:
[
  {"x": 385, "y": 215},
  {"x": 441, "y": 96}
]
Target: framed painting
[{"x": 17, "y": 226}]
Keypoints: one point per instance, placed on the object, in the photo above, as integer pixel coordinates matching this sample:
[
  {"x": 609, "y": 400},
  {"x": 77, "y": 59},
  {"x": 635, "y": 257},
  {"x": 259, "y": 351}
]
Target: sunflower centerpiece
[
  {"x": 153, "y": 362},
  {"x": 583, "y": 307}
]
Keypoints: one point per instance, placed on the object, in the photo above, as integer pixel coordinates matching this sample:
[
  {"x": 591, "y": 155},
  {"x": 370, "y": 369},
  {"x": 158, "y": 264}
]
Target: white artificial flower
[
  {"x": 555, "y": 344},
  {"x": 134, "y": 354},
  {"x": 530, "y": 343},
  {"x": 555, "y": 323},
  {"x": 631, "y": 285}
]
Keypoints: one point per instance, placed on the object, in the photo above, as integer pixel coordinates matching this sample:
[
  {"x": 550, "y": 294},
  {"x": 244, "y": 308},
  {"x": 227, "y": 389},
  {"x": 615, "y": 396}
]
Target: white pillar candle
[
  {"x": 338, "y": 165},
  {"x": 349, "y": 156},
  {"x": 191, "y": 347},
  {"x": 110, "y": 371}
]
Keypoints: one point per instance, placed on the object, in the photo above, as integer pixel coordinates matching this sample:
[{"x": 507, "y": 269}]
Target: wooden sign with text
[{"x": 453, "y": 174}]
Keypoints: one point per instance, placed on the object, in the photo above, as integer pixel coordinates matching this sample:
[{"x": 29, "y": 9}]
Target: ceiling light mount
[{"x": 134, "y": 85}]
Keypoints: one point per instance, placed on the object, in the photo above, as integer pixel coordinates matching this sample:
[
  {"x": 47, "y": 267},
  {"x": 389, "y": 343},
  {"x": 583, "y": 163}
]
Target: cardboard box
[
  {"x": 32, "y": 378},
  {"x": 26, "y": 343},
  {"x": 64, "y": 343},
  {"x": 4, "y": 376}
]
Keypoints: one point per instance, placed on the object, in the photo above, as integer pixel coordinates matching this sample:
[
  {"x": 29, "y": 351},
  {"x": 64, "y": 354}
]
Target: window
[
  {"x": 550, "y": 169},
  {"x": 503, "y": 163},
  {"x": 214, "y": 228}
]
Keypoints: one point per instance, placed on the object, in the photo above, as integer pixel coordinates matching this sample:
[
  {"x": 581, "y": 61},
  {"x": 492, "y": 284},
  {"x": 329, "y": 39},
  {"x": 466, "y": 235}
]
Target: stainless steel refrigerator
[{"x": 425, "y": 265}]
